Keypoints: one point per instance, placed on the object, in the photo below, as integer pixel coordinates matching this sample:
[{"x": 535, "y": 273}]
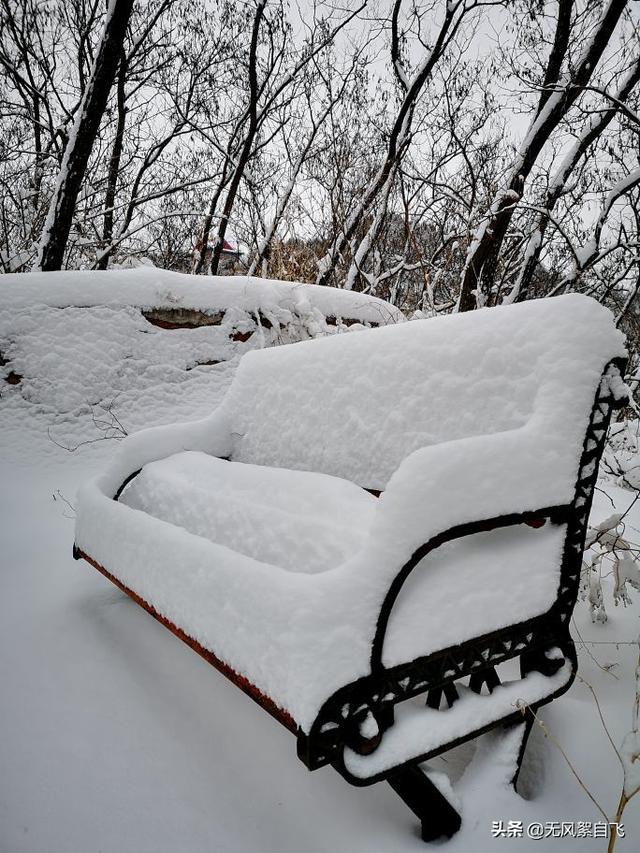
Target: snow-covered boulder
[
  {"x": 140, "y": 341},
  {"x": 282, "y": 303}
]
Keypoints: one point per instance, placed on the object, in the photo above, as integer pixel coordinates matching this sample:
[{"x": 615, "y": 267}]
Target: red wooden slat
[{"x": 240, "y": 681}]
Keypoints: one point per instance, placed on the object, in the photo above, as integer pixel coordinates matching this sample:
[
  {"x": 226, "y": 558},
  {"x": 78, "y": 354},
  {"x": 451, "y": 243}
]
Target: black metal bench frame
[{"x": 339, "y": 722}]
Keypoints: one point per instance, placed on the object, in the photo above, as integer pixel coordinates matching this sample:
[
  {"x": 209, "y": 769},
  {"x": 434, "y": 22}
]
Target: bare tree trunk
[
  {"x": 114, "y": 167},
  {"x": 56, "y": 230},
  {"x": 364, "y": 248},
  {"x": 481, "y": 262},
  {"x": 198, "y": 267},
  {"x": 264, "y": 252},
  {"x": 245, "y": 151},
  {"x": 596, "y": 126},
  {"x": 590, "y": 252},
  {"x": 38, "y": 164},
  {"x": 399, "y": 132}
]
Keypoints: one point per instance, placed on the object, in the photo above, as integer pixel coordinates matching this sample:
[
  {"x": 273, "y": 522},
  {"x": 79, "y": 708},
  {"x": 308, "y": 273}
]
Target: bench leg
[
  {"x": 526, "y": 725},
  {"x": 437, "y": 816}
]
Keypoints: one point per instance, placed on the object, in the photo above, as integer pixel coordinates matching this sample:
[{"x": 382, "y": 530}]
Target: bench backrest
[{"x": 355, "y": 404}]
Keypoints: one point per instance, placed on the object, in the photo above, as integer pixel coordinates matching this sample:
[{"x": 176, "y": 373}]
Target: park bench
[{"x": 374, "y": 527}]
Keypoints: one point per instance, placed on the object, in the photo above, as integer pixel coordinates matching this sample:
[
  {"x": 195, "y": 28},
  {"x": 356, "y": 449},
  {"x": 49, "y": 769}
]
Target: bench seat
[
  {"x": 301, "y": 521},
  {"x": 299, "y": 636},
  {"x": 314, "y": 525}
]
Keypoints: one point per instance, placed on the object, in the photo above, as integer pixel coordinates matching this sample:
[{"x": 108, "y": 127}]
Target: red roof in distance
[{"x": 226, "y": 246}]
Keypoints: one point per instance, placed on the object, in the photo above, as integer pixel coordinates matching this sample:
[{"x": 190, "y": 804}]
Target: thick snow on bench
[
  {"x": 460, "y": 418},
  {"x": 358, "y": 406},
  {"x": 299, "y": 520}
]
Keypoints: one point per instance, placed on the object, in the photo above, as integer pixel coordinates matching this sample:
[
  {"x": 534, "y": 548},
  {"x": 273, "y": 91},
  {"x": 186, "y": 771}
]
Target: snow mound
[
  {"x": 127, "y": 348},
  {"x": 149, "y": 287}
]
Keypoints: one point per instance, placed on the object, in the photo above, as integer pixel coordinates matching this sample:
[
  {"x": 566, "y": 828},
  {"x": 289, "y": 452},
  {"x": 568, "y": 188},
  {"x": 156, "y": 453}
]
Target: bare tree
[
  {"x": 595, "y": 126},
  {"x": 315, "y": 117},
  {"x": 272, "y": 77},
  {"x": 400, "y": 131},
  {"x": 558, "y": 94},
  {"x": 82, "y": 136},
  {"x": 34, "y": 115},
  {"x": 405, "y": 180}
]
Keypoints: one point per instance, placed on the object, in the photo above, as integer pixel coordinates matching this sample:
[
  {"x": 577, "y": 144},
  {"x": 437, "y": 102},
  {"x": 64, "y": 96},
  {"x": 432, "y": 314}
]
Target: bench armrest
[
  {"x": 437, "y": 494},
  {"x": 209, "y": 435},
  {"x": 469, "y": 480}
]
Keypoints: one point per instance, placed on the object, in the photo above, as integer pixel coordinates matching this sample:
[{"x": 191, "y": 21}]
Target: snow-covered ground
[{"x": 115, "y": 737}]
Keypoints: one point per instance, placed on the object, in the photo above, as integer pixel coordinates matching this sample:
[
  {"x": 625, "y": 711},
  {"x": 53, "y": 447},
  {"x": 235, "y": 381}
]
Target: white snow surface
[
  {"x": 84, "y": 350},
  {"x": 299, "y": 520},
  {"x": 496, "y": 422},
  {"x": 117, "y": 737},
  {"x": 72, "y": 359},
  {"x": 150, "y": 287},
  {"x": 493, "y": 568},
  {"x": 369, "y": 400}
]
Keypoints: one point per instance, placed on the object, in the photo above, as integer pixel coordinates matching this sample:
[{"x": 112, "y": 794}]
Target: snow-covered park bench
[{"x": 373, "y": 526}]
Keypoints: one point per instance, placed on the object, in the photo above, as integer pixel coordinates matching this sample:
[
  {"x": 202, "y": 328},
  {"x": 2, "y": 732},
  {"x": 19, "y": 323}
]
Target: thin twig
[
  {"x": 523, "y": 706},
  {"x": 597, "y": 663},
  {"x": 602, "y": 720}
]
